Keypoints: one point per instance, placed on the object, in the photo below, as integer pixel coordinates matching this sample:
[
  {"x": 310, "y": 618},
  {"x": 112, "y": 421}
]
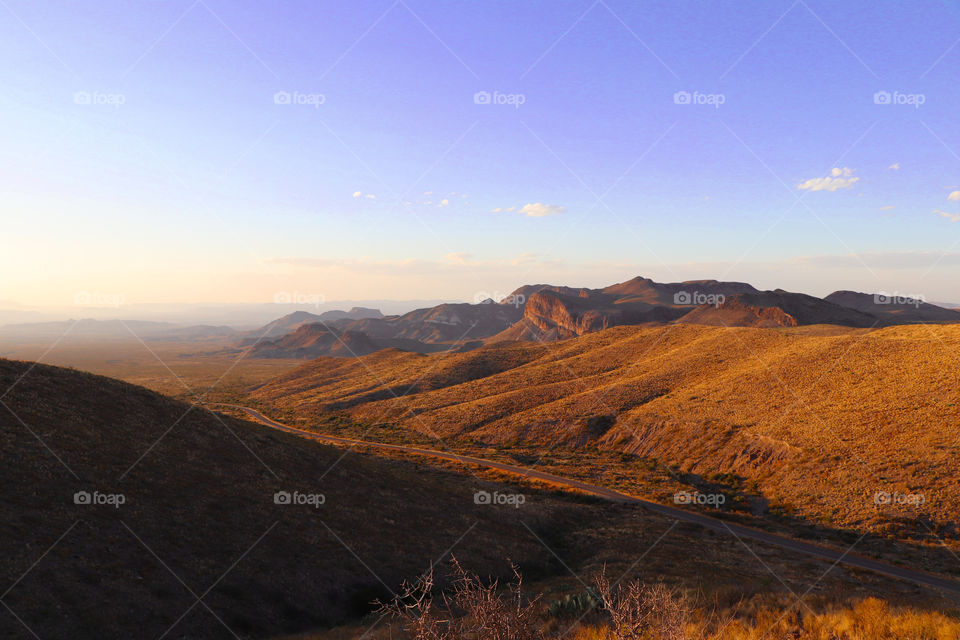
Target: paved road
[{"x": 738, "y": 530}]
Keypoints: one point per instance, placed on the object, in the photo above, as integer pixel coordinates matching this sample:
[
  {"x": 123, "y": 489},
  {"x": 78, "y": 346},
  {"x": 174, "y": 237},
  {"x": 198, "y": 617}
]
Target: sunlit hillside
[{"x": 852, "y": 427}]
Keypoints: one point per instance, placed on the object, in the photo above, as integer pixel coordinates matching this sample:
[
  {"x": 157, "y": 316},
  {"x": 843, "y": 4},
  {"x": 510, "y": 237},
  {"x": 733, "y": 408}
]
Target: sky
[{"x": 166, "y": 151}]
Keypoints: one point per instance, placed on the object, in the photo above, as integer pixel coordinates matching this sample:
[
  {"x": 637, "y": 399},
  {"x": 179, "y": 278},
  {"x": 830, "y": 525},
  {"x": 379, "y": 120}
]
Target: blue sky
[{"x": 184, "y": 151}]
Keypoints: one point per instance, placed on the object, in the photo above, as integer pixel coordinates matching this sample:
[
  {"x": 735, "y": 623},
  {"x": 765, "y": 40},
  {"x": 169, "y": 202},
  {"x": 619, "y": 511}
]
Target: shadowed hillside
[{"x": 201, "y": 499}]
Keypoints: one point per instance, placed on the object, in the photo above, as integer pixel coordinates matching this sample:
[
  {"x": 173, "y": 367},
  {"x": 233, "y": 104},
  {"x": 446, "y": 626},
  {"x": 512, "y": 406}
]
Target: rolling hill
[
  {"x": 129, "y": 514},
  {"x": 893, "y": 309},
  {"x": 820, "y": 419},
  {"x": 198, "y": 515},
  {"x": 293, "y": 321}
]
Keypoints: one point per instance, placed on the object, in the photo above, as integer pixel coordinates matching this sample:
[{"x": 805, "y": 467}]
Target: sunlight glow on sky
[{"x": 188, "y": 151}]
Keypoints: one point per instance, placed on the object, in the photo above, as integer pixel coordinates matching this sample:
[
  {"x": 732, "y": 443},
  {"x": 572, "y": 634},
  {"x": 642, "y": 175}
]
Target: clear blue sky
[{"x": 187, "y": 179}]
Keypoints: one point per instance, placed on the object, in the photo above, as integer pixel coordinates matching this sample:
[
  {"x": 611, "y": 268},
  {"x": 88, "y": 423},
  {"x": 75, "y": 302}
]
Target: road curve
[{"x": 747, "y": 533}]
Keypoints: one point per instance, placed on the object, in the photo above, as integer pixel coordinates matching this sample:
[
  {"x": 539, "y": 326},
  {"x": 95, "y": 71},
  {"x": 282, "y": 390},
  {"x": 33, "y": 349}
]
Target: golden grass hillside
[
  {"x": 827, "y": 422},
  {"x": 199, "y": 517}
]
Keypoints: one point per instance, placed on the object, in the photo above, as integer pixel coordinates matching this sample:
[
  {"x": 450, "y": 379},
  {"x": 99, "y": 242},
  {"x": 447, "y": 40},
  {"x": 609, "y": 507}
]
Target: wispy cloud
[
  {"x": 888, "y": 207},
  {"x": 895, "y": 166},
  {"x": 540, "y": 210},
  {"x": 954, "y": 196},
  {"x": 952, "y": 217},
  {"x": 839, "y": 178},
  {"x": 533, "y": 209}
]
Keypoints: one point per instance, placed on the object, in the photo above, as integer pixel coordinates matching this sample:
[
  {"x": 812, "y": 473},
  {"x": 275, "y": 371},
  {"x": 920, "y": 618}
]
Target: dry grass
[{"x": 817, "y": 420}]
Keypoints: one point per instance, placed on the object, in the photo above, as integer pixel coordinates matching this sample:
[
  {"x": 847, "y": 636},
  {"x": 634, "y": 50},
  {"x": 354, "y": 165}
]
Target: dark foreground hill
[{"x": 198, "y": 506}]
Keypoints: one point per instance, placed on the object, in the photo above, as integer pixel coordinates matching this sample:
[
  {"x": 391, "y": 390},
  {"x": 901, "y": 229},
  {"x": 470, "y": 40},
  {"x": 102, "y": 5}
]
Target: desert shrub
[
  {"x": 644, "y": 612},
  {"x": 471, "y": 609},
  {"x": 576, "y": 605}
]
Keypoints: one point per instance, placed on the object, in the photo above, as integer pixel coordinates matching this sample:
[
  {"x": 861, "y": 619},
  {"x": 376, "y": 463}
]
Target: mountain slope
[
  {"x": 821, "y": 421},
  {"x": 547, "y": 313},
  {"x": 292, "y": 321},
  {"x": 776, "y": 309},
  {"x": 893, "y": 309},
  {"x": 198, "y": 496}
]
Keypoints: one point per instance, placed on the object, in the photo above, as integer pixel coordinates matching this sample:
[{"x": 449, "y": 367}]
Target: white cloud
[
  {"x": 539, "y": 210},
  {"x": 497, "y": 210},
  {"x": 952, "y": 217},
  {"x": 443, "y": 203},
  {"x": 509, "y": 208},
  {"x": 370, "y": 196},
  {"x": 357, "y": 194},
  {"x": 888, "y": 207},
  {"x": 954, "y": 196},
  {"x": 895, "y": 166},
  {"x": 839, "y": 178},
  {"x": 458, "y": 258}
]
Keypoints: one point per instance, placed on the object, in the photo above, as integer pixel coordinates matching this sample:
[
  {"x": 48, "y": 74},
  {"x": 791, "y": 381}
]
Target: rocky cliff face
[{"x": 556, "y": 315}]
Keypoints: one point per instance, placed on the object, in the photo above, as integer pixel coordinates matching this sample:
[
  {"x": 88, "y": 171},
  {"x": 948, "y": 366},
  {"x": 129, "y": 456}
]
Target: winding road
[{"x": 740, "y": 531}]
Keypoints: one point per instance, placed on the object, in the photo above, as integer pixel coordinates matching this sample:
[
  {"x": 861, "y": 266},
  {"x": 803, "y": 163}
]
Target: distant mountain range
[
  {"x": 549, "y": 312},
  {"x": 112, "y": 329}
]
